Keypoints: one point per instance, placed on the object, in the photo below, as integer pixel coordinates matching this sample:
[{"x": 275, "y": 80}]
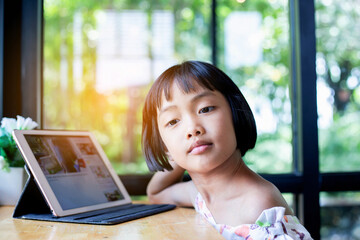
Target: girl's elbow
[
  {"x": 152, "y": 198},
  {"x": 159, "y": 198}
]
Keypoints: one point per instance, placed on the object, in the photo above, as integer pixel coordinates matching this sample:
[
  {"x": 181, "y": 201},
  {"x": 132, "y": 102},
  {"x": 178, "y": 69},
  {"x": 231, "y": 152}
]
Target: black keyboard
[{"x": 118, "y": 213}]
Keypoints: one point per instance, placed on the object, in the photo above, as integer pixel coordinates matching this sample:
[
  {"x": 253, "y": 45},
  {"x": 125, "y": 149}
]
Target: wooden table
[{"x": 180, "y": 223}]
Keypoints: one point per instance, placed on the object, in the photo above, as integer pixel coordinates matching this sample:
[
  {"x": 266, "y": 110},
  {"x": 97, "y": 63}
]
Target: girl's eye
[
  {"x": 172, "y": 122},
  {"x": 206, "y": 109}
]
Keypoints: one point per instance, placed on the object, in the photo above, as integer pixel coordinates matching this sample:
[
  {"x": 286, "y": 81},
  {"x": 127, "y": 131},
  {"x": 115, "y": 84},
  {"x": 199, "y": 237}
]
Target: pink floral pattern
[{"x": 271, "y": 224}]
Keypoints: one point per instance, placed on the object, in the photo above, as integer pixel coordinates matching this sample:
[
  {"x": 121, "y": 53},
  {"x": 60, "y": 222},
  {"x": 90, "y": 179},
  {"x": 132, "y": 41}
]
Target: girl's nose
[{"x": 195, "y": 131}]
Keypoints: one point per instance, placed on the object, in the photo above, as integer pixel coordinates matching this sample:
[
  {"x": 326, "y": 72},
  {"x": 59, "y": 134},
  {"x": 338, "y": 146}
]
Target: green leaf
[
  {"x": 4, "y": 141},
  {"x": 3, "y": 153},
  {"x": 17, "y": 160}
]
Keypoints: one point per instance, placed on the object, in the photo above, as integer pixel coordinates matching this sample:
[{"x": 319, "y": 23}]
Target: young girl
[{"x": 196, "y": 119}]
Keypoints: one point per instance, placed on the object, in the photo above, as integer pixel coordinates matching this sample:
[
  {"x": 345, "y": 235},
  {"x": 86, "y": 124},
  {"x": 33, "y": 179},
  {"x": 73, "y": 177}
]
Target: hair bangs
[{"x": 187, "y": 78}]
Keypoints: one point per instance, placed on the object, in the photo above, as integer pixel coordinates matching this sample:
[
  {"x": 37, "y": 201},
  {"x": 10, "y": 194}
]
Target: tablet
[{"x": 71, "y": 170}]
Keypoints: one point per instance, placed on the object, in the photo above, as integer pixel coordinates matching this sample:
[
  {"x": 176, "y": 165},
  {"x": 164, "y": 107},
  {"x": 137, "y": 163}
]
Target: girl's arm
[{"x": 167, "y": 187}]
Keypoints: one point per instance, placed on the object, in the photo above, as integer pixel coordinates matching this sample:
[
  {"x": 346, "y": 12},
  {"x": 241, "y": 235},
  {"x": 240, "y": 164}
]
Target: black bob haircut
[{"x": 188, "y": 76}]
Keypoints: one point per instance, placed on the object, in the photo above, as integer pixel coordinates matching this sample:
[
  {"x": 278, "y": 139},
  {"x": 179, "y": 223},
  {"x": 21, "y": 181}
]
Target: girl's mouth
[{"x": 199, "y": 147}]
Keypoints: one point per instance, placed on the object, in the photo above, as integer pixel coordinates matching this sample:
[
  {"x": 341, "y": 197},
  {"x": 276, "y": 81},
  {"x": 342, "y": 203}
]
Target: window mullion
[
  {"x": 31, "y": 59},
  {"x": 305, "y": 110}
]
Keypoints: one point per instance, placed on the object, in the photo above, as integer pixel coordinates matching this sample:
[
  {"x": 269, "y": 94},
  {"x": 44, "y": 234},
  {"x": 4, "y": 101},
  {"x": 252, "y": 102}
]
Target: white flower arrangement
[{"x": 9, "y": 154}]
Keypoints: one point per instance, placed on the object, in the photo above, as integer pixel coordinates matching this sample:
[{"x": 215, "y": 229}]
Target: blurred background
[
  {"x": 103, "y": 57},
  {"x": 99, "y": 59}
]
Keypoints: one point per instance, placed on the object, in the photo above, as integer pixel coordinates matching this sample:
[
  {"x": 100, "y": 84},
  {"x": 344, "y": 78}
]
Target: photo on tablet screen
[{"x": 74, "y": 170}]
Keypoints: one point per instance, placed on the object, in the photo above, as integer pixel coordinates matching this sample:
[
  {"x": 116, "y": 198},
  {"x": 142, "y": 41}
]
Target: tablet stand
[{"x": 31, "y": 200}]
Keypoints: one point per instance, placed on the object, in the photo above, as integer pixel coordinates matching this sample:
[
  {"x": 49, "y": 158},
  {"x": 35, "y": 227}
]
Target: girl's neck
[{"x": 222, "y": 180}]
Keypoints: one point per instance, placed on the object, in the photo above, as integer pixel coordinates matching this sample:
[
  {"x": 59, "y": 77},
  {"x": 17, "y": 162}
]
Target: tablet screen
[{"x": 74, "y": 170}]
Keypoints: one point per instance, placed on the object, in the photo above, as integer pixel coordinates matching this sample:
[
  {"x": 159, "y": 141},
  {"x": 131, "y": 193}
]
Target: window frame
[
  {"x": 21, "y": 58},
  {"x": 21, "y": 93}
]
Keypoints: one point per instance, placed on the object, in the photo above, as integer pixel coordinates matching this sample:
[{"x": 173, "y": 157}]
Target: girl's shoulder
[
  {"x": 270, "y": 222},
  {"x": 263, "y": 195}
]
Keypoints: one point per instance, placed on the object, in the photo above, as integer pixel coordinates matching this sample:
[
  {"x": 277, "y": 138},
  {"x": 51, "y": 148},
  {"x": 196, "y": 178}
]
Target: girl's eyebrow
[
  {"x": 202, "y": 95},
  {"x": 166, "y": 109},
  {"x": 194, "y": 99}
]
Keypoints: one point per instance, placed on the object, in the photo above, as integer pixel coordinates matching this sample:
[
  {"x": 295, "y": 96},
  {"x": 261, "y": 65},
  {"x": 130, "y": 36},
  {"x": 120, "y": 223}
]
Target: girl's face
[{"x": 197, "y": 128}]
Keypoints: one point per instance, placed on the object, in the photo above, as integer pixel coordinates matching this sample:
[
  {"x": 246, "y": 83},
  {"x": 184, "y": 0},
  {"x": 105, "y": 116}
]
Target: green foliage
[
  {"x": 268, "y": 79},
  {"x": 9, "y": 154},
  {"x": 340, "y": 144},
  {"x": 116, "y": 118},
  {"x": 272, "y": 153},
  {"x": 13, "y": 156},
  {"x": 339, "y": 66}
]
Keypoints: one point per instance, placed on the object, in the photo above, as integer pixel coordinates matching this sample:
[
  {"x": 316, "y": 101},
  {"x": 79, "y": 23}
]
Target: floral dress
[{"x": 271, "y": 224}]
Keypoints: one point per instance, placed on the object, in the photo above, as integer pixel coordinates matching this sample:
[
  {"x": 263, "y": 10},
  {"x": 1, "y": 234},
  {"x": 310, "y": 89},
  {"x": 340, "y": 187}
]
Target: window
[
  {"x": 338, "y": 84},
  {"x": 254, "y": 49},
  {"x": 103, "y": 57},
  {"x": 338, "y": 100},
  {"x": 340, "y": 215},
  {"x": 98, "y": 51},
  {"x": 25, "y": 61}
]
